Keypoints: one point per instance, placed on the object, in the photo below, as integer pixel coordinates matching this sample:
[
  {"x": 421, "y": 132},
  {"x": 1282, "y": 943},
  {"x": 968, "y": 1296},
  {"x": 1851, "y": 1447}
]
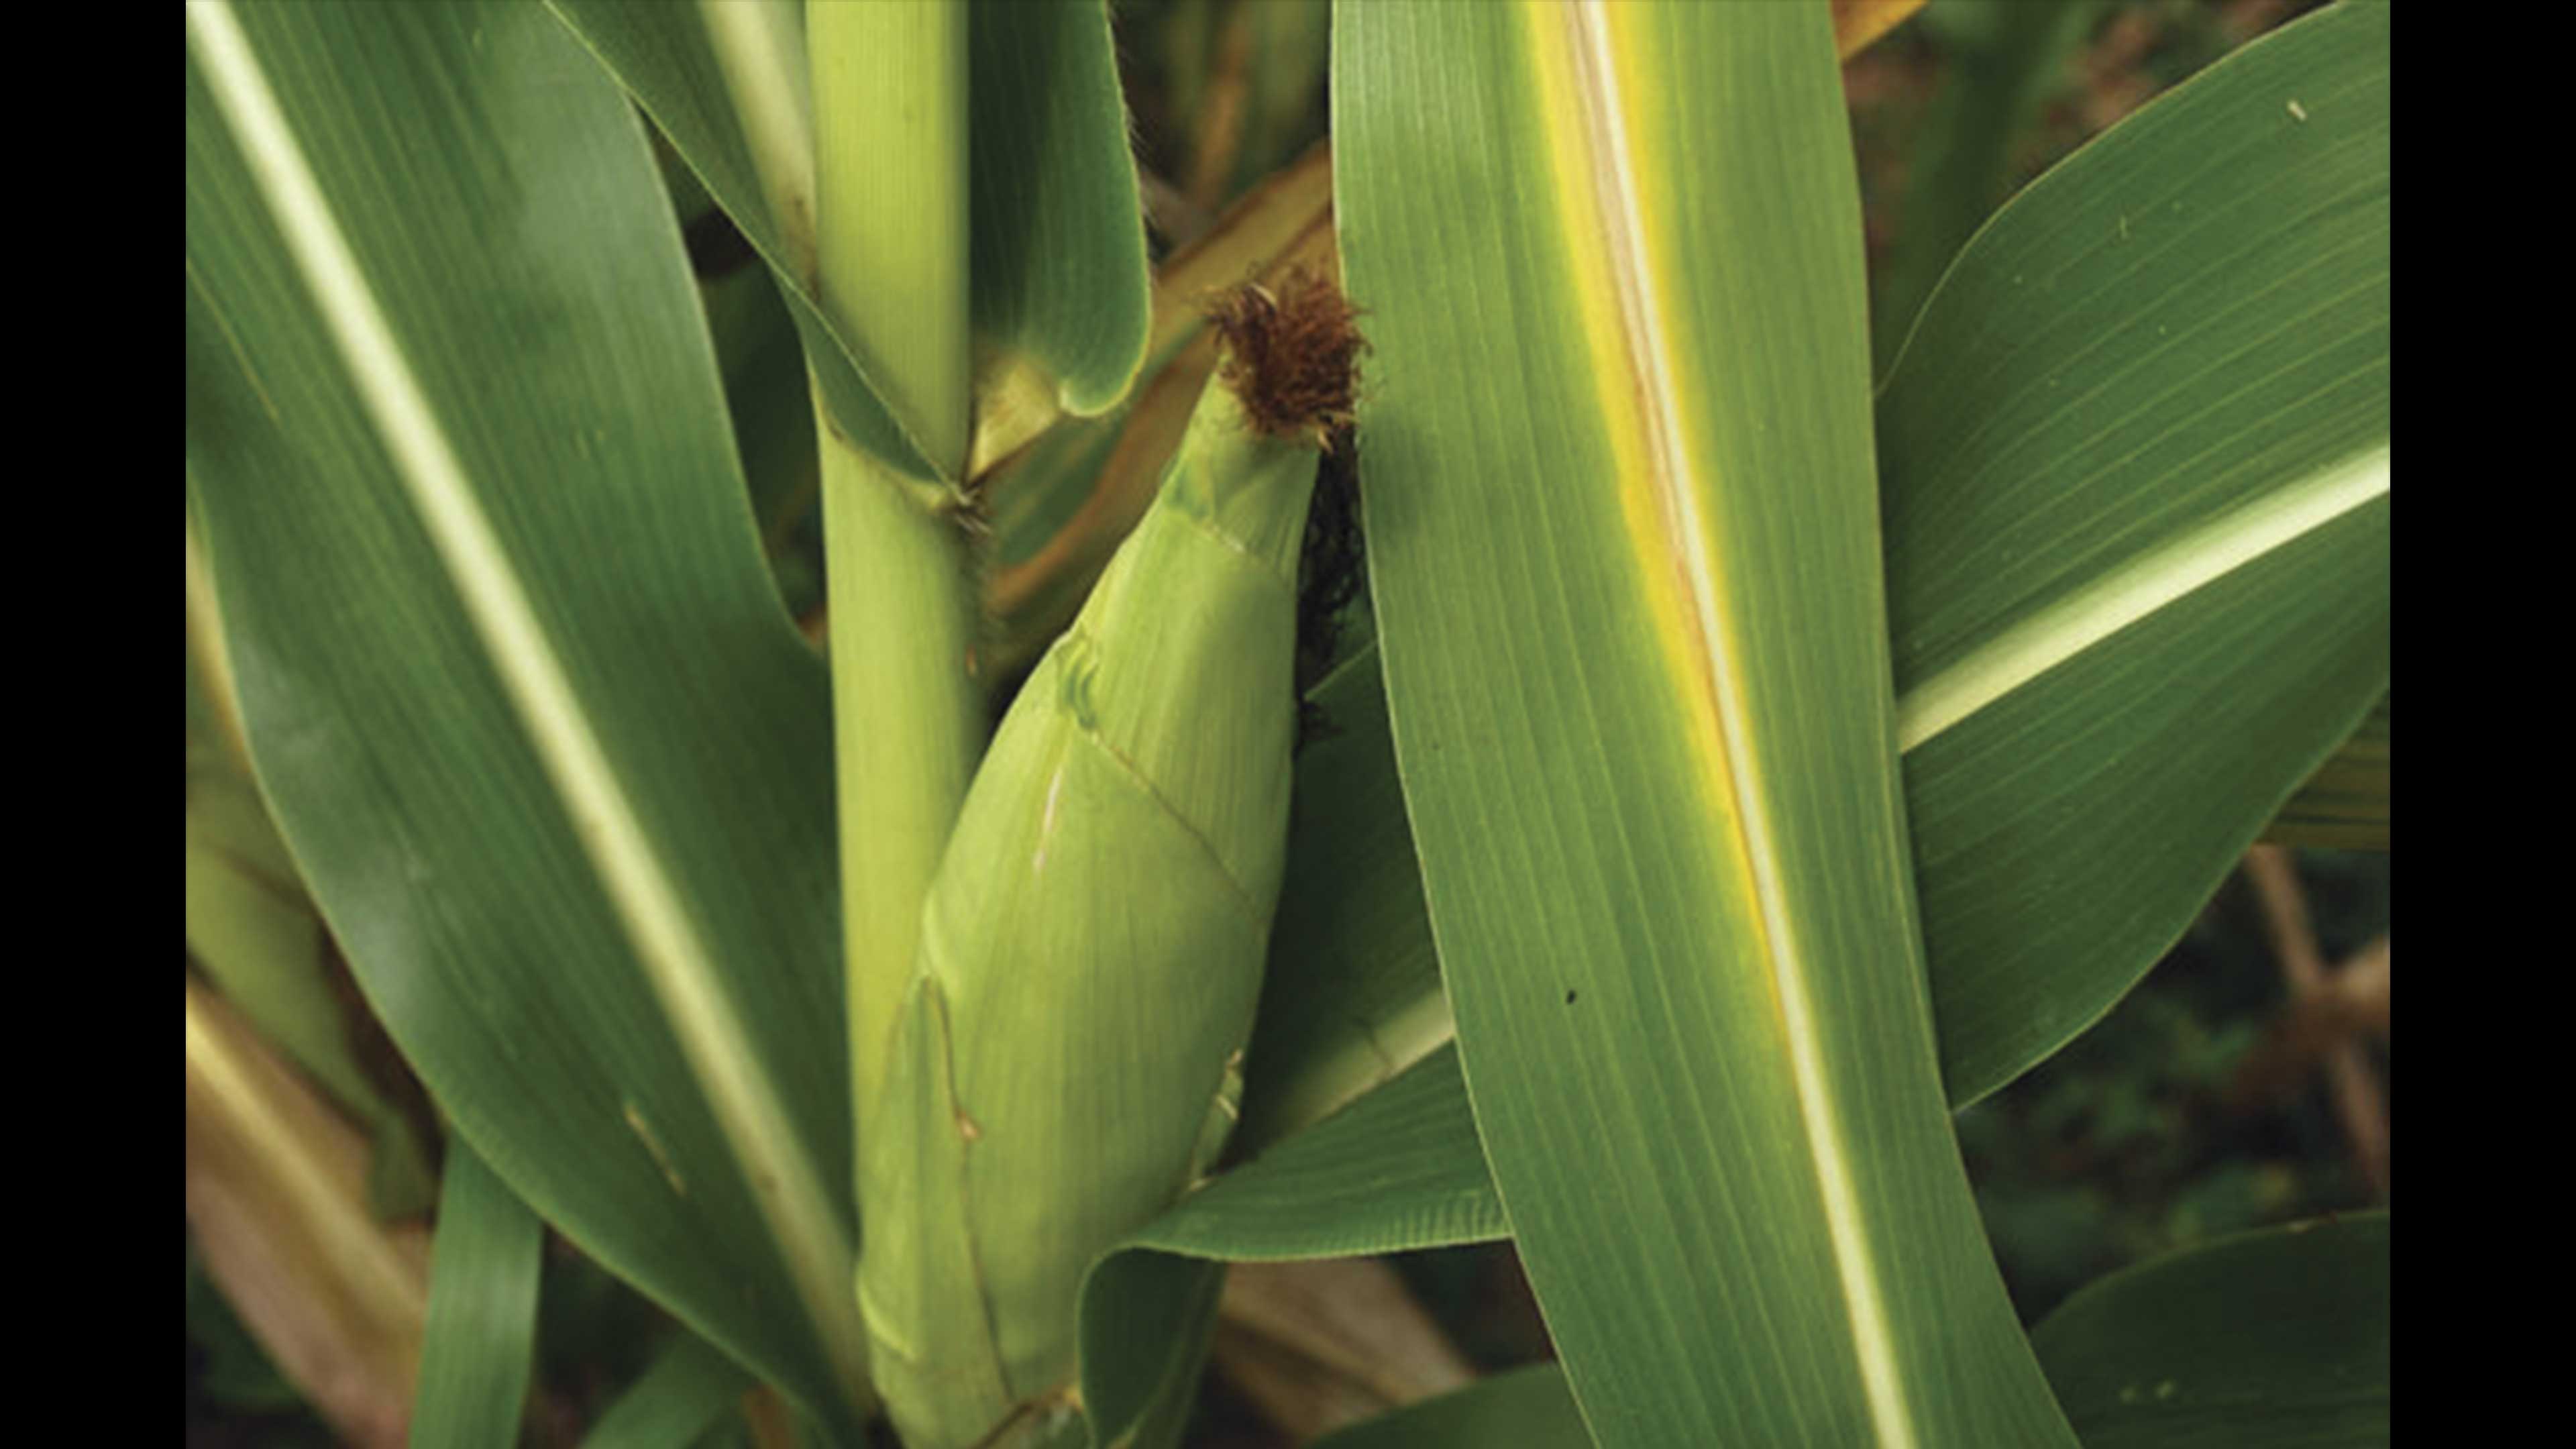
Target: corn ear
[{"x": 1091, "y": 950}]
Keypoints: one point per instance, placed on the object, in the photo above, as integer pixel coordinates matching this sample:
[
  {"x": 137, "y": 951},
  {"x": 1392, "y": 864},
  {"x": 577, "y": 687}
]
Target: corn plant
[{"x": 1740, "y": 764}]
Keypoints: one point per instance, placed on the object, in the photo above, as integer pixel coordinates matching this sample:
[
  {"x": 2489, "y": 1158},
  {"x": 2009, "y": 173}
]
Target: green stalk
[
  {"x": 891, "y": 228},
  {"x": 906, "y": 725},
  {"x": 891, "y": 260}
]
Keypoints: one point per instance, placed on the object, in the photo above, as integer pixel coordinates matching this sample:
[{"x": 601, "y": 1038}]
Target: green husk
[{"x": 1091, "y": 951}]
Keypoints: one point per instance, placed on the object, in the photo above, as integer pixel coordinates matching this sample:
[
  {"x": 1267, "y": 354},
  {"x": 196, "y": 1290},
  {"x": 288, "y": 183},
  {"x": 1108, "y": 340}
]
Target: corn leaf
[
  {"x": 768, "y": 399},
  {"x": 480, "y": 1346},
  {"x": 520, "y": 695},
  {"x": 1353, "y": 994},
  {"x": 2029, "y": 943},
  {"x": 2272, "y": 1338},
  {"x": 1059, "y": 255},
  {"x": 2135, "y": 462},
  {"x": 1146, "y": 1325},
  {"x": 1059, "y": 276},
  {"x": 1622, "y": 519},
  {"x": 1395, "y": 1172},
  {"x": 2000, "y": 62},
  {"x": 2344, "y": 805},
  {"x": 253, "y": 929},
  {"x": 1253, "y": 85},
  {"x": 684, "y": 1393},
  {"x": 256, "y": 935},
  {"x": 1528, "y": 1407},
  {"x": 1399, "y": 1170}
]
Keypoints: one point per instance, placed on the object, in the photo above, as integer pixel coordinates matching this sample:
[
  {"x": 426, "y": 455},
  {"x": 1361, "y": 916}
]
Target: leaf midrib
[{"x": 2151, "y": 582}]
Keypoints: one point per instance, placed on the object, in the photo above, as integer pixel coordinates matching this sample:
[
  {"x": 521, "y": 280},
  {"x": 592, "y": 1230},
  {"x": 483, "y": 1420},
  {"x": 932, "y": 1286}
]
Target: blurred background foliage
[{"x": 2205, "y": 1103}]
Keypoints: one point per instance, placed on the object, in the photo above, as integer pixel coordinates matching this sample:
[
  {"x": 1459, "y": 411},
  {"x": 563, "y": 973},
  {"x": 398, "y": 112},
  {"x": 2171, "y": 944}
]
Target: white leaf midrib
[
  {"x": 640, "y": 888},
  {"x": 2154, "y": 580}
]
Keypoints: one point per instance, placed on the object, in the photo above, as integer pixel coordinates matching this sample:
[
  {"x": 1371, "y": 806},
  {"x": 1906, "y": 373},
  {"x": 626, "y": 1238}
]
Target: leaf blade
[
  {"x": 2272, "y": 1338},
  {"x": 407, "y": 690},
  {"x": 1720, "y": 861},
  {"x": 478, "y": 1352},
  {"x": 1527, "y": 1406},
  {"x": 1061, "y": 284},
  {"x": 2278, "y": 1337},
  {"x": 2344, "y": 805},
  {"x": 2183, "y": 731},
  {"x": 2163, "y": 364},
  {"x": 683, "y": 1393}
]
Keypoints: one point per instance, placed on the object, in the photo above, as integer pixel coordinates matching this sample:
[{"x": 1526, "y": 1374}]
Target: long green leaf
[
  {"x": 2135, "y": 462},
  {"x": 771, "y": 406},
  {"x": 2224, "y": 701},
  {"x": 685, "y": 1392},
  {"x": 253, "y": 929},
  {"x": 1061, "y": 287},
  {"x": 2000, "y": 61},
  {"x": 1399, "y": 1170},
  {"x": 2344, "y": 805},
  {"x": 1352, "y": 996},
  {"x": 481, "y": 1344},
  {"x": 1621, "y": 514},
  {"x": 2272, "y": 1340},
  {"x": 531, "y": 720},
  {"x": 1527, "y": 1407}
]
